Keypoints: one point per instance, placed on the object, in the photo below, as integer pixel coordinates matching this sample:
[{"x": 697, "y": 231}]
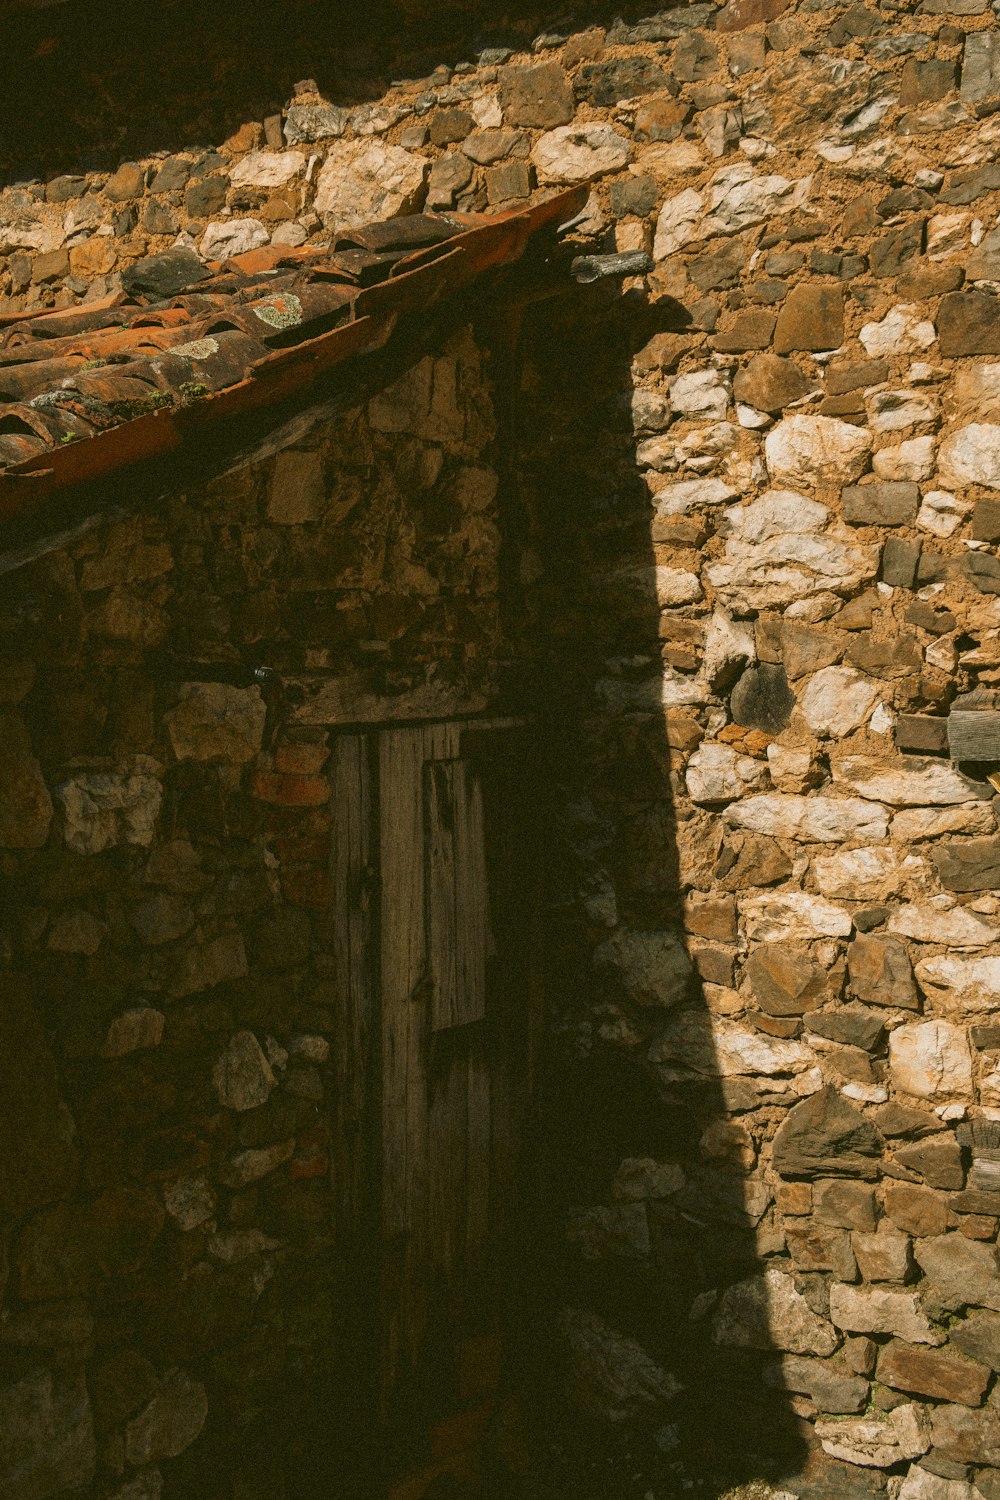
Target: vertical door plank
[
  {"x": 471, "y": 896},
  {"x": 442, "y": 923},
  {"x": 403, "y": 958},
  {"x": 356, "y": 1052},
  {"x": 476, "y": 1205},
  {"x": 402, "y": 967}
]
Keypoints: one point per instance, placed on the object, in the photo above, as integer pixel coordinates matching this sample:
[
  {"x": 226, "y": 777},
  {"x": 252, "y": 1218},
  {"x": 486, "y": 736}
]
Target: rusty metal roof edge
[{"x": 496, "y": 241}]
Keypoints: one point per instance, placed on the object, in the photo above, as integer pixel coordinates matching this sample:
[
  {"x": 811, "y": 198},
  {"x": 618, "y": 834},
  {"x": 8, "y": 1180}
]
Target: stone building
[{"x": 500, "y": 664}]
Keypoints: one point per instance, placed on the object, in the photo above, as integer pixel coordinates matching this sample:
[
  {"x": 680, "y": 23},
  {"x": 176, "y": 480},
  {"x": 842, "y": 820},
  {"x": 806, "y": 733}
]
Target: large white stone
[
  {"x": 977, "y": 388},
  {"x": 931, "y": 1060},
  {"x": 777, "y": 513},
  {"x": 170, "y": 1422},
  {"x": 971, "y": 456},
  {"x": 700, "y": 393},
  {"x": 650, "y": 965},
  {"x": 780, "y": 916},
  {"x": 667, "y": 689},
  {"x": 673, "y": 585},
  {"x": 366, "y": 180},
  {"x": 728, "y": 644},
  {"x": 917, "y": 823},
  {"x": 242, "y": 1076},
  {"x": 694, "y": 1041},
  {"x": 611, "y": 1377},
  {"x": 962, "y": 985},
  {"x": 838, "y": 700},
  {"x": 909, "y": 460},
  {"x": 687, "y": 494},
  {"x": 679, "y": 223},
  {"x": 921, "y": 1484},
  {"x": 792, "y": 769},
  {"x": 941, "y": 920},
  {"x": 859, "y": 874},
  {"x": 947, "y": 234},
  {"x": 767, "y": 1312},
  {"x": 911, "y": 781},
  {"x": 224, "y": 238},
  {"x": 268, "y": 169},
  {"x": 942, "y": 513},
  {"x": 814, "y": 820},
  {"x": 573, "y": 153},
  {"x": 868, "y": 1309},
  {"x": 816, "y": 451},
  {"x": 788, "y": 568},
  {"x": 718, "y": 773},
  {"x": 102, "y": 808},
  {"x": 738, "y": 197},
  {"x": 876, "y": 1442},
  {"x": 901, "y": 331},
  {"x": 896, "y": 411}
]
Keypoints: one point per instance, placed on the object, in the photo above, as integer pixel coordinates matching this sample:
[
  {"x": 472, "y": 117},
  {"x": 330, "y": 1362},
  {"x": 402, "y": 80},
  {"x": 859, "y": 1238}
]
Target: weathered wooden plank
[
  {"x": 472, "y": 933},
  {"x": 478, "y": 1151},
  {"x": 406, "y": 1035},
  {"x": 402, "y": 972},
  {"x": 974, "y": 735},
  {"x": 355, "y": 1056},
  {"x": 403, "y": 957},
  {"x": 443, "y": 936},
  {"x": 448, "y": 1147}
]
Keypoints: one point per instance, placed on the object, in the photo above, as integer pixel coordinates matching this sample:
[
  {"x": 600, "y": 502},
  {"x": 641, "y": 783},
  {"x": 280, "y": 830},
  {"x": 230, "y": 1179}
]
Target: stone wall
[
  {"x": 761, "y": 496},
  {"x": 758, "y": 490},
  {"x": 176, "y": 1311}
]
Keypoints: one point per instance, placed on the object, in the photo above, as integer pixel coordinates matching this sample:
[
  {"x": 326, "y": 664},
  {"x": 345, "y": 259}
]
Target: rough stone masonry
[{"x": 815, "y": 430}]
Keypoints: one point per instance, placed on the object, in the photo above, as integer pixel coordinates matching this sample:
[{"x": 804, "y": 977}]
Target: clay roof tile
[{"x": 87, "y": 390}]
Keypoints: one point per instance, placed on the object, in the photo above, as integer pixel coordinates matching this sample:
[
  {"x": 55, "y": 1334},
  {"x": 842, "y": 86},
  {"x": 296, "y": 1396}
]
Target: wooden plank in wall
[
  {"x": 479, "y": 1139},
  {"x": 403, "y": 959},
  {"x": 458, "y": 927},
  {"x": 442, "y": 931},
  {"x": 472, "y": 902},
  {"x": 402, "y": 971},
  {"x": 356, "y": 1049},
  {"x": 406, "y": 1032}
]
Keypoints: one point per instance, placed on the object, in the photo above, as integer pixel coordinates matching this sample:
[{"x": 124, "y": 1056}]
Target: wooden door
[{"x": 434, "y": 957}]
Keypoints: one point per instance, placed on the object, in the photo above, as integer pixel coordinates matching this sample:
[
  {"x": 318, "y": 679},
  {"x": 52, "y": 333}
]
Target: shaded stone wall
[
  {"x": 175, "y": 1307},
  {"x": 759, "y": 493}
]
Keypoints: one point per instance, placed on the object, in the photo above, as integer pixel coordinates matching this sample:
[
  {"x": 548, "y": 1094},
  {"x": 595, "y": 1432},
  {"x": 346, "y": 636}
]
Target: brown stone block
[
  {"x": 849, "y": 1205},
  {"x": 752, "y": 328},
  {"x": 970, "y": 866},
  {"x": 711, "y": 918},
  {"x": 539, "y": 97},
  {"x": 52, "y": 266},
  {"x": 922, "y": 733},
  {"x": 95, "y": 257},
  {"x": 969, "y": 323},
  {"x": 811, "y": 318},
  {"x": 769, "y": 383},
  {"x": 916, "y": 1210},
  {"x": 739, "y": 14},
  {"x": 928, "y": 1372}
]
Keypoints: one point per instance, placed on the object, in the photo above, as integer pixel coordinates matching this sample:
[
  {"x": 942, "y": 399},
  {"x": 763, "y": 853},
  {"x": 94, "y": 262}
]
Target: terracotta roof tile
[{"x": 95, "y": 388}]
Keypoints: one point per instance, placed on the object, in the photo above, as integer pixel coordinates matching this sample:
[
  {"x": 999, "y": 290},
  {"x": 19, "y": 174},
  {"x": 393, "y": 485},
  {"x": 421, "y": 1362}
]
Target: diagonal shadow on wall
[{"x": 648, "y": 1202}]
